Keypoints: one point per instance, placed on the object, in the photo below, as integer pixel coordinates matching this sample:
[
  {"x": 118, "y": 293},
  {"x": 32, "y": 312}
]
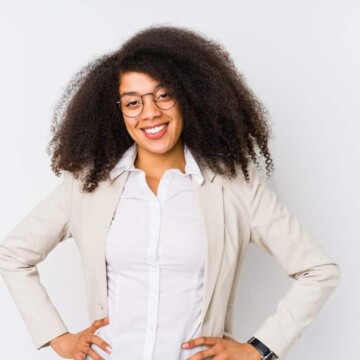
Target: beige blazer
[{"x": 236, "y": 213}]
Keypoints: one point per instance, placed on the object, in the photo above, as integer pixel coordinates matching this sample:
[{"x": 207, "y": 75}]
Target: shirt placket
[{"x": 156, "y": 205}]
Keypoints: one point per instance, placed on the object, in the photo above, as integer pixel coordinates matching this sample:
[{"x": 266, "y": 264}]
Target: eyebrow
[{"x": 136, "y": 93}]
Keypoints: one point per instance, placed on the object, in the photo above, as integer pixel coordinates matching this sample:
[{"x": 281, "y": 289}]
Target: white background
[{"x": 301, "y": 58}]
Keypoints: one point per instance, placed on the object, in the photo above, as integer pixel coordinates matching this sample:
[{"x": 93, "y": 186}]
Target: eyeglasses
[{"x": 132, "y": 104}]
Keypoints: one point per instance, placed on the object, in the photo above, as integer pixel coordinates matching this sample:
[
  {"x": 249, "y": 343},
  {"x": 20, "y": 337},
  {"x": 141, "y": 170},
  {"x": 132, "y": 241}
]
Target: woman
[{"x": 157, "y": 142}]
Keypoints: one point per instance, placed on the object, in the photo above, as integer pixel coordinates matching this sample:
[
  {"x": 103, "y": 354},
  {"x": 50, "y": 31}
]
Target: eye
[
  {"x": 132, "y": 103},
  {"x": 163, "y": 96}
]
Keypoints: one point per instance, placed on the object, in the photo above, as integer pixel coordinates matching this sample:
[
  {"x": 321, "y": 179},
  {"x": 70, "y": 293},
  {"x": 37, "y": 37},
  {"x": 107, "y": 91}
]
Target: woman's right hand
[{"x": 77, "y": 346}]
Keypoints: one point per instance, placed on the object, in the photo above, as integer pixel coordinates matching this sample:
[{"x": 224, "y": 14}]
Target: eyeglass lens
[{"x": 132, "y": 105}]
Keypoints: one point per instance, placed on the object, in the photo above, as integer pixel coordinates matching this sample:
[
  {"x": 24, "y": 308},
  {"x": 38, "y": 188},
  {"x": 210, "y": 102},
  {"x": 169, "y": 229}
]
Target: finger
[
  {"x": 79, "y": 356},
  {"x": 97, "y": 340},
  {"x": 99, "y": 323},
  {"x": 204, "y": 354},
  {"x": 94, "y": 355},
  {"x": 203, "y": 340}
]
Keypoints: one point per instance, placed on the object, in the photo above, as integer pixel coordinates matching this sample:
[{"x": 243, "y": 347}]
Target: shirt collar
[{"x": 127, "y": 163}]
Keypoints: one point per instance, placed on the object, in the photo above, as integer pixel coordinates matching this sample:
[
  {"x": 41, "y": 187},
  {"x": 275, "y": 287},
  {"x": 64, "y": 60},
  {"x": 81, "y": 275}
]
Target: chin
[{"x": 158, "y": 149}]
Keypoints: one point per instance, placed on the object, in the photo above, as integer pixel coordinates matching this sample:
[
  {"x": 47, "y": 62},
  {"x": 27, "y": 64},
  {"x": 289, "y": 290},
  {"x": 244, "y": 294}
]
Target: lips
[
  {"x": 158, "y": 134},
  {"x": 153, "y": 126}
]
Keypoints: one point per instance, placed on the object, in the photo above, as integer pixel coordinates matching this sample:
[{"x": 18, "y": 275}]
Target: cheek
[
  {"x": 129, "y": 127},
  {"x": 180, "y": 125},
  {"x": 179, "y": 122}
]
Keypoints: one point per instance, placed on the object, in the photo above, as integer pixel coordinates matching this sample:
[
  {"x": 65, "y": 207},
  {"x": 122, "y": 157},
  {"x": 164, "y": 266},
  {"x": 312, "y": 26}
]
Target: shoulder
[
  {"x": 237, "y": 192},
  {"x": 239, "y": 182}
]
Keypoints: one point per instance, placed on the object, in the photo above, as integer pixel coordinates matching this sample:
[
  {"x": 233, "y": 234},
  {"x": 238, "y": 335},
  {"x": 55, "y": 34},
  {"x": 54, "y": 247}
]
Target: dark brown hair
[{"x": 223, "y": 121}]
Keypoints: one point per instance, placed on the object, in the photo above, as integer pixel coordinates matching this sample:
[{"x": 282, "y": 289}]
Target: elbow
[
  {"x": 5, "y": 260},
  {"x": 9, "y": 262},
  {"x": 332, "y": 275},
  {"x": 326, "y": 275},
  {"x": 2, "y": 259},
  {"x": 336, "y": 274}
]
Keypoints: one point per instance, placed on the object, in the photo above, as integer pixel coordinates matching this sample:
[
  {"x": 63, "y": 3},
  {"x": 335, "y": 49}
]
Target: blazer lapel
[
  {"x": 103, "y": 209},
  {"x": 210, "y": 197}
]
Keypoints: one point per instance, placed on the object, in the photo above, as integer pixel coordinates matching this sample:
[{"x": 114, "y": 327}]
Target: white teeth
[{"x": 155, "y": 130}]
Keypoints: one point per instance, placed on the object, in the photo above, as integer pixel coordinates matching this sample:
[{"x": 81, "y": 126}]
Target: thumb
[{"x": 99, "y": 323}]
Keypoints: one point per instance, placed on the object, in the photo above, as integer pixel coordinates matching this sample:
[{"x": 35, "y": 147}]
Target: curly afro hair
[{"x": 223, "y": 121}]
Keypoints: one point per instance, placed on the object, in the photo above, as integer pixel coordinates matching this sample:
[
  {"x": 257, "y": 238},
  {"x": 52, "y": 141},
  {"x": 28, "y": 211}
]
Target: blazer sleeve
[
  {"x": 23, "y": 248},
  {"x": 315, "y": 273}
]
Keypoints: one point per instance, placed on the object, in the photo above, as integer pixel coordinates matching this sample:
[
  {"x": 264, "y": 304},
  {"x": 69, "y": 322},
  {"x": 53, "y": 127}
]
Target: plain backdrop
[{"x": 301, "y": 58}]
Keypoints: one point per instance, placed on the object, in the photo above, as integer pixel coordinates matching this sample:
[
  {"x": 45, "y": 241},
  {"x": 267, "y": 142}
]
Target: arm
[
  {"x": 315, "y": 273},
  {"x": 27, "y": 245}
]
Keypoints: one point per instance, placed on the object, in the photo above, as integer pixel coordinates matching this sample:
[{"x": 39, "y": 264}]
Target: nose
[{"x": 150, "y": 110}]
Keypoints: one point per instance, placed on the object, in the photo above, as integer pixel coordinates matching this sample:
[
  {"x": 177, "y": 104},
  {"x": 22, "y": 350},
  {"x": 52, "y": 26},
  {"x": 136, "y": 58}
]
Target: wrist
[
  {"x": 56, "y": 339},
  {"x": 264, "y": 351},
  {"x": 252, "y": 352}
]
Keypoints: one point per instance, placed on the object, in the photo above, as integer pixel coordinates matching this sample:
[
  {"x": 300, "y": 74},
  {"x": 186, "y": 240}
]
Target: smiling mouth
[{"x": 155, "y": 129}]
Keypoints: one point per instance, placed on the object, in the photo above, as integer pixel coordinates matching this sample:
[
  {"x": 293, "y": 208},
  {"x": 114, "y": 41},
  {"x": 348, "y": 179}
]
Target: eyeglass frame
[{"x": 142, "y": 104}]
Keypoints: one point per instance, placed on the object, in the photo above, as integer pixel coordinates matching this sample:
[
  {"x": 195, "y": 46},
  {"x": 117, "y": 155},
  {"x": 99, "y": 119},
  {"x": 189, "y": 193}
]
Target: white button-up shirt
[{"x": 155, "y": 254}]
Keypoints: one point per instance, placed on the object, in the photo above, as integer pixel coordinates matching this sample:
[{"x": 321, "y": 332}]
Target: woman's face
[{"x": 160, "y": 140}]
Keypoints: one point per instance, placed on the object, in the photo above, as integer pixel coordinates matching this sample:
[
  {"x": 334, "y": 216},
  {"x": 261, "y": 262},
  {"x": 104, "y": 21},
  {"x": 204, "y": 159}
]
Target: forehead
[{"x": 137, "y": 81}]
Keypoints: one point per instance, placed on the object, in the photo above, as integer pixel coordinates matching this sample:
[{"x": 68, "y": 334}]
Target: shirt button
[{"x": 206, "y": 318}]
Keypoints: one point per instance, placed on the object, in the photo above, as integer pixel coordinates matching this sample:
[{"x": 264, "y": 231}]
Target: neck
[{"x": 154, "y": 165}]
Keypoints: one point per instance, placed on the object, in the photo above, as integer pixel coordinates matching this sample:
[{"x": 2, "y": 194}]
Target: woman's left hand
[{"x": 223, "y": 349}]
